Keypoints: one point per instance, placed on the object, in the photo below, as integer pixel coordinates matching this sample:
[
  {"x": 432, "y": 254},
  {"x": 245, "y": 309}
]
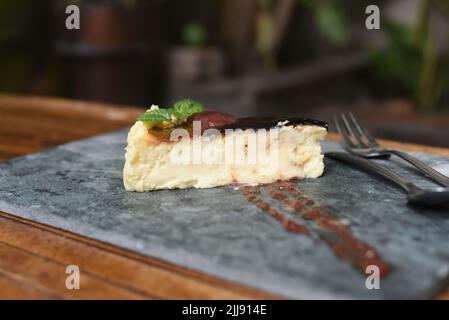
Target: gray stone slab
[{"x": 78, "y": 187}]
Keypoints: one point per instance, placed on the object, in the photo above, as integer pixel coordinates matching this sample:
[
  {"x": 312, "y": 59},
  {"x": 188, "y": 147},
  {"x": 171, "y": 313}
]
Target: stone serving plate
[{"x": 78, "y": 187}]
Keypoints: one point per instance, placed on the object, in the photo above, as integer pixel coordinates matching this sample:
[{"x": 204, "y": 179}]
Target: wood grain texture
[
  {"x": 151, "y": 277},
  {"x": 48, "y": 275},
  {"x": 30, "y": 124},
  {"x": 33, "y": 256},
  {"x": 12, "y": 289}
]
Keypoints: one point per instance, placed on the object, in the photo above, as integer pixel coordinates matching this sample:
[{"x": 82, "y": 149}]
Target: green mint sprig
[
  {"x": 187, "y": 107},
  {"x": 180, "y": 111},
  {"x": 156, "y": 115}
]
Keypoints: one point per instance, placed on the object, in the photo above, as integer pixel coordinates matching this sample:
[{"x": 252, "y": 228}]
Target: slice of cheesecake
[{"x": 214, "y": 149}]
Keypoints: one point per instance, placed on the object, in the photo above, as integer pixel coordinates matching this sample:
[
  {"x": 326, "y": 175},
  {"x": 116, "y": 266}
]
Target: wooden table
[{"x": 33, "y": 256}]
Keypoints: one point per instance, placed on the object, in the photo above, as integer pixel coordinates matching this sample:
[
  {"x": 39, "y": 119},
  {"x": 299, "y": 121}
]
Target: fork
[{"x": 358, "y": 141}]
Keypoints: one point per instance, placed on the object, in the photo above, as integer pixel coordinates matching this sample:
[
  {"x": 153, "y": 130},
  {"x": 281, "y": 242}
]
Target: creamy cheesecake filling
[{"x": 150, "y": 165}]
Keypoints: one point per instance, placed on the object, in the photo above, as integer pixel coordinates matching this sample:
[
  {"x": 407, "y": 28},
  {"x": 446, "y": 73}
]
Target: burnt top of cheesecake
[
  {"x": 222, "y": 121},
  {"x": 270, "y": 122}
]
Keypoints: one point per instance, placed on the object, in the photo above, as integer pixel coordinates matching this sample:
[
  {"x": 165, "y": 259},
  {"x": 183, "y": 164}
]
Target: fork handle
[
  {"x": 428, "y": 170},
  {"x": 374, "y": 168}
]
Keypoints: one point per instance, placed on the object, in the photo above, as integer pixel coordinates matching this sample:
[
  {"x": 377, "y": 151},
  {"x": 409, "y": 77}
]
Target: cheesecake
[{"x": 210, "y": 149}]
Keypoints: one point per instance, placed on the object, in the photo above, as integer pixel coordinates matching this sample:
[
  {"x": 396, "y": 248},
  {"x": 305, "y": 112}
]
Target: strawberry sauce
[
  {"x": 252, "y": 193},
  {"x": 330, "y": 229}
]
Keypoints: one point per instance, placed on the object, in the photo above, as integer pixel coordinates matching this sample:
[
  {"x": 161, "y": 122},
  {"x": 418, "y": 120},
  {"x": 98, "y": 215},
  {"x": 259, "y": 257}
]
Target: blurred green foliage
[
  {"x": 15, "y": 62},
  {"x": 330, "y": 19},
  {"x": 127, "y": 4},
  {"x": 412, "y": 58},
  {"x": 194, "y": 35},
  {"x": 399, "y": 60},
  {"x": 265, "y": 42},
  {"x": 10, "y": 18}
]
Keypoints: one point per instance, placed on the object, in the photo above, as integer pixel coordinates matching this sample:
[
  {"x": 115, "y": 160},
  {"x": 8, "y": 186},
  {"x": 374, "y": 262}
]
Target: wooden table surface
[{"x": 33, "y": 256}]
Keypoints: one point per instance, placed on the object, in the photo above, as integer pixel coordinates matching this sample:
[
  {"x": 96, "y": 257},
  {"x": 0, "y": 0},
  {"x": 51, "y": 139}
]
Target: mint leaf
[
  {"x": 185, "y": 108},
  {"x": 156, "y": 115},
  {"x": 181, "y": 111}
]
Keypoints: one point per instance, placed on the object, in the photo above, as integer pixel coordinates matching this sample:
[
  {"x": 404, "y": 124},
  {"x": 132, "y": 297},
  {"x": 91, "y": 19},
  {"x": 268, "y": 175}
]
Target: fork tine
[
  {"x": 343, "y": 133},
  {"x": 363, "y": 132},
  {"x": 355, "y": 136}
]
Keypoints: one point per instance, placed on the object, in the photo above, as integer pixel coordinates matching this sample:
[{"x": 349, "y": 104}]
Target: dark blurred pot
[
  {"x": 188, "y": 67},
  {"x": 195, "y": 64},
  {"x": 116, "y": 56}
]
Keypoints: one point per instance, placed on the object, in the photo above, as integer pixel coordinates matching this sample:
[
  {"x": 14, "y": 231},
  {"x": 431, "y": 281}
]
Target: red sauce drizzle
[
  {"x": 329, "y": 228},
  {"x": 252, "y": 193}
]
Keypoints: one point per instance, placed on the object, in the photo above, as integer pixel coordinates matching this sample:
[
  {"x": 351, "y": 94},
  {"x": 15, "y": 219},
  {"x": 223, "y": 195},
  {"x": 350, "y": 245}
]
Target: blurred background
[{"x": 254, "y": 57}]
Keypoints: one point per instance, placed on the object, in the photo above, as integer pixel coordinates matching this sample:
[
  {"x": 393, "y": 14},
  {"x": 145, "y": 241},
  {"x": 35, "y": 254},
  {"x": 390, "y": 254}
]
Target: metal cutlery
[
  {"x": 415, "y": 195},
  {"x": 358, "y": 141}
]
